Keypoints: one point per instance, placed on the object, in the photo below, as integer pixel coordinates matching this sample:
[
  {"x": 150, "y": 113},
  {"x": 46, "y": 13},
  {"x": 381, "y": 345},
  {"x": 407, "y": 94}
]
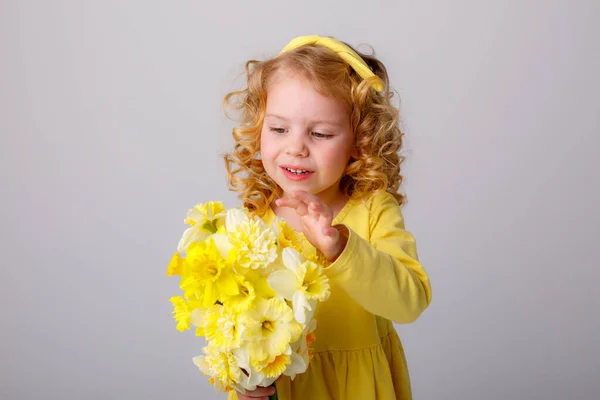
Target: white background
[{"x": 111, "y": 128}]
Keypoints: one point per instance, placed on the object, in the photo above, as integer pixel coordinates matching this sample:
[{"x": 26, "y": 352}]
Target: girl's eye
[
  {"x": 278, "y": 130},
  {"x": 319, "y": 135}
]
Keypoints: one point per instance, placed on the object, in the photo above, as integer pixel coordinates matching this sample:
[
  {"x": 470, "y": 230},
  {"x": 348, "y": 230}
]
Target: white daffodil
[
  {"x": 298, "y": 365},
  {"x": 204, "y": 219},
  {"x": 252, "y": 378},
  {"x": 303, "y": 282},
  {"x": 301, "y": 352}
]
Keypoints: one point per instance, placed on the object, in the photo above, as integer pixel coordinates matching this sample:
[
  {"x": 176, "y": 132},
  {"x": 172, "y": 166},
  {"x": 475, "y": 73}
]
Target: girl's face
[{"x": 306, "y": 138}]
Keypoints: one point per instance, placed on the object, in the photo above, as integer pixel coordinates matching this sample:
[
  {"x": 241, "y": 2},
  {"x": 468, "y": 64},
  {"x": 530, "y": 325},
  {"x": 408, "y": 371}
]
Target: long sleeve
[{"x": 382, "y": 273}]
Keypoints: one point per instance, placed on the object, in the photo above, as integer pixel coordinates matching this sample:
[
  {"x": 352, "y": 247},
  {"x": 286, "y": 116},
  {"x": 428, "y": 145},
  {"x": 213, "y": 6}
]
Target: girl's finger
[
  {"x": 326, "y": 212},
  {"x": 314, "y": 209},
  {"x": 290, "y": 203},
  {"x": 305, "y": 196},
  {"x": 300, "y": 207},
  {"x": 330, "y": 231},
  {"x": 259, "y": 393},
  {"x": 264, "y": 391}
]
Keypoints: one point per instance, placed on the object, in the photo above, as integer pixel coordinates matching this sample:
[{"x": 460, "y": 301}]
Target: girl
[{"x": 318, "y": 146}]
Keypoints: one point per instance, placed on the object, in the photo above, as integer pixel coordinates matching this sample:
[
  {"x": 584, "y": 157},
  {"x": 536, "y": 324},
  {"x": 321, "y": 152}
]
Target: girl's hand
[
  {"x": 316, "y": 217},
  {"x": 261, "y": 393}
]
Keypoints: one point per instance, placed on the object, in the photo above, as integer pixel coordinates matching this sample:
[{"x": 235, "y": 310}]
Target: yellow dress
[{"x": 376, "y": 280}]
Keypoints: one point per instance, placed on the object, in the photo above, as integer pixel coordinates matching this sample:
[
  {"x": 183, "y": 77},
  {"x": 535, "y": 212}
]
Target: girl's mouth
[{"x": 296, "y": 174}]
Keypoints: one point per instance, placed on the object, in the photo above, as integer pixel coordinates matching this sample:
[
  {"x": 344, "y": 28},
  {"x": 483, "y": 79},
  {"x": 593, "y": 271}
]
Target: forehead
[{"x": 292, "y": 95}]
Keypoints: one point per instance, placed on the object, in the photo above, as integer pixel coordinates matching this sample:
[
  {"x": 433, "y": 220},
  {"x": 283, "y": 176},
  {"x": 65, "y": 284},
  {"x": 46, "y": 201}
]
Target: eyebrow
[{"x": 322, "y": 121}]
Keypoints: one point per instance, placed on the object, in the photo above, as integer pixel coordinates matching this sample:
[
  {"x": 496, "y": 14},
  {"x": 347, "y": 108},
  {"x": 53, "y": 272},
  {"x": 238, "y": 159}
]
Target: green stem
[{"x": 274, "y": 395}]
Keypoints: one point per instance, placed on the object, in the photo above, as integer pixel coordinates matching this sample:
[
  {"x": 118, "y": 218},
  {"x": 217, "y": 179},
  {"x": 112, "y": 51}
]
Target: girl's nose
[{"x": 296, "y": 146}]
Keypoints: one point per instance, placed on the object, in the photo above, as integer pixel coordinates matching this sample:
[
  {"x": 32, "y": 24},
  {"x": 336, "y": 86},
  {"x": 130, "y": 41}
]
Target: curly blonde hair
[{"x": 374, "y": 121}]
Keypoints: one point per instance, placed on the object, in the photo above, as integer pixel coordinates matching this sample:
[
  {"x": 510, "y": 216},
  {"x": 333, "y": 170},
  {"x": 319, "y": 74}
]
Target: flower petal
[
  {"x": 297, "y": 366},
  {"x": 200, "y": 362},
  {"x": 215, "y": 208},
  {"x": 222, "y": 243},
  {"x": 300, "y": 304},
  {"x": 284, "y": 283},
  {"x": 234, "y": 218},
  {"x": 291, "y": 259},
  {"x": 228, "y": 286},
  {"x": 188, "y": 237},
  {"x": 312, "y": 307},
  {"x": 195, "y": 215},
  {"x": 198, "y": 317},
  {"x": 210, "y": 295}
]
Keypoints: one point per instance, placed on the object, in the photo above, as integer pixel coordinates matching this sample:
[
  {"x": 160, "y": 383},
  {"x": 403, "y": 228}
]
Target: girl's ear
[{"x": 354, "y": 152}]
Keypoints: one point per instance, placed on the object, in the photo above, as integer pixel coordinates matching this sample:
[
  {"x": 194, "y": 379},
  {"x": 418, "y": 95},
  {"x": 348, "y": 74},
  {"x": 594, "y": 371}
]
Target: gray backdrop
[{"x": 111, "y": 128}]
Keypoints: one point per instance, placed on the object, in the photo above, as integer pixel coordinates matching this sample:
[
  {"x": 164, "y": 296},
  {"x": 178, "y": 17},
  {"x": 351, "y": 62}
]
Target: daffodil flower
[
  {"x": 276, "y": 365},
  {"x": 252, "y": 376},
  {"x": 221, "y": 366},
  {"x": 220, "y": 326},
  {"x": 181, "y": 313},
  {"x": 301, "y": 352},
  {"x": 303, "y": 282},
  {"x": 269, "y": 328},
  {"x": 254, "y": 243},
  {"x": 286, "y": 235},
  {"x": 244, "y": 298},
  {"x": 207, "y": 274},
  {"x": 175, "y": 266},
  {"x": 204, "y": 219}
]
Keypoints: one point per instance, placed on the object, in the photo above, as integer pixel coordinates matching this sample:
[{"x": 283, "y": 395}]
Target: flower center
[
  {"x": 267, "y": 326},
  {"x": 210, "y": 271}
]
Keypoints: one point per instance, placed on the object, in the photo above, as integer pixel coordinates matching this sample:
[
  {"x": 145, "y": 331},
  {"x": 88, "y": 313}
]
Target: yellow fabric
[
  {"x": 376, "y": 280},
  {"x": 345, "y": 52}
]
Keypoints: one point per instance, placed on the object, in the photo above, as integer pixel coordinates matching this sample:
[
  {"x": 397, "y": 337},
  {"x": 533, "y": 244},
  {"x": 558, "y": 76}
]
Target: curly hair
[{"x": 374, "y": 121}]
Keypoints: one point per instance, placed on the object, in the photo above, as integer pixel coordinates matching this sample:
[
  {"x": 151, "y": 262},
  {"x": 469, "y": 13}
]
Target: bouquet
[{"x": 250, "y": 292}]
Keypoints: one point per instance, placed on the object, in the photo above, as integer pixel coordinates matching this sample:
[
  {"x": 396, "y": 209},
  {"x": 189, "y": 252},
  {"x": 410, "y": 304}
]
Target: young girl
[{"x": 318, "y": 146}]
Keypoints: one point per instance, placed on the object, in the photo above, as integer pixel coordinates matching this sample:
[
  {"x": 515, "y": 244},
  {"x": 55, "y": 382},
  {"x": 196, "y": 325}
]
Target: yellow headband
[{"x": 345, "y": 52}]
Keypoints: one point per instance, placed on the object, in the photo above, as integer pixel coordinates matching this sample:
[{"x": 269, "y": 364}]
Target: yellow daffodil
[
  {"x": 251, "y": 286},
  {"x": 207, "y": 274},
  {"x": 245, "y": 297},
  {"x": 221, "y": 366},
  {"x": 259, "y": 281},
  {"x": 221, "y": 327},
  {"x": 286, "y": 235},
  {"x": 175, "y": 266},
  {"x": 181, "y": 313},
  {"x": 204, "y": 219},
  {"x": 303, "y": 282},
  {"x": 275, "y": 366},
  {"x": 269, "y": 327},
  {"x": 254, "y": 243}
]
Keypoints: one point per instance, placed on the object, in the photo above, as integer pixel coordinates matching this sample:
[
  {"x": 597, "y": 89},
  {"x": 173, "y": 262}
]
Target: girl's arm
[{"x": 383, "y": 274}]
